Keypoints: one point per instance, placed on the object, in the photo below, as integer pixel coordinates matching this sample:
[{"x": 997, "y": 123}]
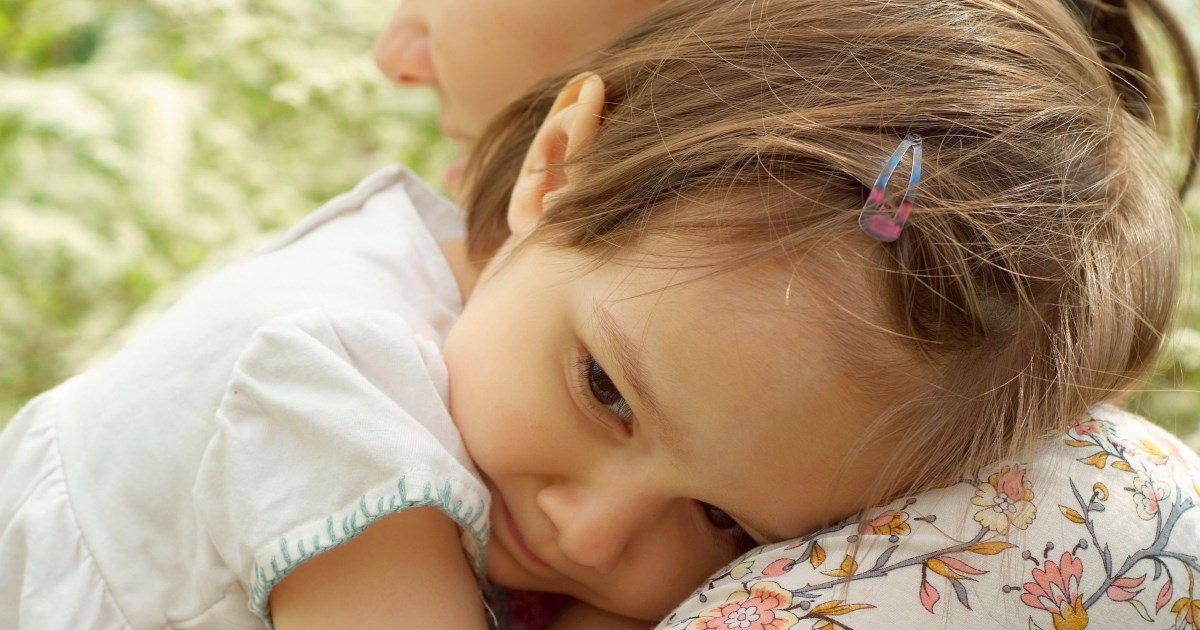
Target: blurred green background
[{"x": 146, "y": 142}]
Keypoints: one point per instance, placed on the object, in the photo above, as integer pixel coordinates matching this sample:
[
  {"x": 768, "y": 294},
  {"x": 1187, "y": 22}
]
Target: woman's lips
[
  {"x": 514, "y": 532},
  {"x": 454, "y": 175},
  {"x": 453, "y": 178}
]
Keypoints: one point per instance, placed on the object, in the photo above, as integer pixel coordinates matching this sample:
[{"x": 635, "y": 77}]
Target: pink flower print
[
  {"x": 929, "y": 595},
  {"x": 1006, "y": 498},
  {"x": 889, "y": 523},
  {"x": 1055, "y": 589},
  {"x": 1123, "y": 589},
  {"x": 1141, "y": 450},
  {"x": 778, "y": 567},
  {"x": 742, "y": 617},
  {"x": 1181, "y": 456},
  {"x": 1122, "y": 446},
  {"x": 1148, "y": 491},
  {"x": 1010, "y": 481},
  {"x": 1164, "y": 595},
  {"x": 1086, "y": 428},
  {"x": 763, "y": 607}
]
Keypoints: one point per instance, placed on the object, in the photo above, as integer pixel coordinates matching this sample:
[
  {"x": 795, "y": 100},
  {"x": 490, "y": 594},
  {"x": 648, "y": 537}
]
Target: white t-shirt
[{"x": 272, "y": 414}]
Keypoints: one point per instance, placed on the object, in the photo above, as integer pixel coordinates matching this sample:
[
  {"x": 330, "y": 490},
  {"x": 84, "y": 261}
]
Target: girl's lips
[{"x": 514, "y": 532}]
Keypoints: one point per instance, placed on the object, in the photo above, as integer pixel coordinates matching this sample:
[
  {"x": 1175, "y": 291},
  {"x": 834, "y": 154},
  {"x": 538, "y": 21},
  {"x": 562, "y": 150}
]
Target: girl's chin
[{"x": 504, "y": 570}]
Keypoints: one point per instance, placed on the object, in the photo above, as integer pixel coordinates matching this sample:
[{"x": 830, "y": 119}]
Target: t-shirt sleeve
[{"x": 328, "y": 424}]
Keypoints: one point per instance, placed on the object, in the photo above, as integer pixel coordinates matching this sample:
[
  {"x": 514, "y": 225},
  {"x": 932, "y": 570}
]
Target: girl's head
[{"x": 683, "y": 337}]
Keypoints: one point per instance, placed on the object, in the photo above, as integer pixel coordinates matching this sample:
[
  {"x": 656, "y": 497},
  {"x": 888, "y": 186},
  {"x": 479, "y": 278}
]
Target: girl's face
[
  {"x": 642, "y": 421},
  {"x": 639, "y": 425},
  {"x": 480, "y": 55}
]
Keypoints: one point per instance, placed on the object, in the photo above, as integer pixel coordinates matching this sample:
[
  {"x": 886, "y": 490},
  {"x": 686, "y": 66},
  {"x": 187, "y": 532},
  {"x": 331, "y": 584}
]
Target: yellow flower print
[
  {"x": 1006, "y": 498},
  {"x": 1187, "y": 609},
  {"x": 1152, "y": 452},
  {"x": 888, "y": 523},
  {"x": 741, "y": 570}
]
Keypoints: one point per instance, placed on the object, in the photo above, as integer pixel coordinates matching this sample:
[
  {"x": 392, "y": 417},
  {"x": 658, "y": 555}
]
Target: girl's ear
[{"x": 571, "y": 124}]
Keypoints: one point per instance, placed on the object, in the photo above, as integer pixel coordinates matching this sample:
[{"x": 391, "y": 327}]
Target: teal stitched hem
[{"x": 415, "y": 489}]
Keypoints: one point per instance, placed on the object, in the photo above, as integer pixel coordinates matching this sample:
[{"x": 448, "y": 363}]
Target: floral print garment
[{"x": 1101, "y": 530}]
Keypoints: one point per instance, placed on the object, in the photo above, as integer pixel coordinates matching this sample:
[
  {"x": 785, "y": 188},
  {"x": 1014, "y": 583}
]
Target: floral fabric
[{"x": 1100, "y": 530}]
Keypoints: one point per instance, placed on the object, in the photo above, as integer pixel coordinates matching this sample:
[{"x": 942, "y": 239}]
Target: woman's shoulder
[
  {"x": 1100, "y": 524},
  {"x": 1133, "y": 440}
]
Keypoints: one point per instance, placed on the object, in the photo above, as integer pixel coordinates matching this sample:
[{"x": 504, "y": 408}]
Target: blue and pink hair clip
[{"x": 875, "y": 219}]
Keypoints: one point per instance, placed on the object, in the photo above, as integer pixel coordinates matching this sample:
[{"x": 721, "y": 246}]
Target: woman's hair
[
  {"x": 1040, "y": 267},
  {"x": 1131, "y": 58}
]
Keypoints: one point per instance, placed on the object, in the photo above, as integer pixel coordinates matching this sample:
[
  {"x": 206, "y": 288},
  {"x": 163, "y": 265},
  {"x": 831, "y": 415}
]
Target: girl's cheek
[{"x": 493, "y": 433}]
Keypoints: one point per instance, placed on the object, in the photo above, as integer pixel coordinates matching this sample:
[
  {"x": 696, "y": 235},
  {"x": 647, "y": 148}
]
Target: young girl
[
  {"x": 689, "y": 336},
  {"x": 1030, "y": 282}
]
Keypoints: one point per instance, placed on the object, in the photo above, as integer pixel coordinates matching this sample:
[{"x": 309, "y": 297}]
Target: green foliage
[
  {"x": 1172, "y": 397},
  {"x": 140, "y": 139}
]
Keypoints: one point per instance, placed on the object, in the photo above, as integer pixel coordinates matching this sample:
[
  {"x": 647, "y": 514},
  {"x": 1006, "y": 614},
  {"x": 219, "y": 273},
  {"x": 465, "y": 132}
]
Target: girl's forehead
[
  {"x": 762, "y": 340},
  {"x": 696, "y": 280}
]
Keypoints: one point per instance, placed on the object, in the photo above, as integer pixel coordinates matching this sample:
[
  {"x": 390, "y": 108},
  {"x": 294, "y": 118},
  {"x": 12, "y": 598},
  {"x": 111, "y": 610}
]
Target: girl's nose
[
  {"x": 595, "y": 526},
  {"x": 402, "y": 50}
]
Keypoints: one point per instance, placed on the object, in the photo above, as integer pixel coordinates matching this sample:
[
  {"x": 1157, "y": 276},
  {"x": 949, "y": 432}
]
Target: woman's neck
[{"x": 466, "y": 272}]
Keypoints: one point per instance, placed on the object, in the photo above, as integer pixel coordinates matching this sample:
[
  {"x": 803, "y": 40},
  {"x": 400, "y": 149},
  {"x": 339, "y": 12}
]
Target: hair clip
[{"x": 875, "y": 219}]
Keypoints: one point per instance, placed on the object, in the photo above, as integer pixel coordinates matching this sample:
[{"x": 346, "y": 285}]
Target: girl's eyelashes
[
  {"x": 725, "y": 523},
  {"x": 604, "y": 391}
]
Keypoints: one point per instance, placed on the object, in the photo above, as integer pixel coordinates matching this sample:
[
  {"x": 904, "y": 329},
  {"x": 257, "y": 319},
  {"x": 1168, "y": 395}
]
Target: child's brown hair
[{"x": 1040, "y": 267}]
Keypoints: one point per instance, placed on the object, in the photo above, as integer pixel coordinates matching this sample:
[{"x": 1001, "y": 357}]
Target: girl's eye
[
  {"x": 725, "y": 524},
  {"x": 604, "y": 391}
]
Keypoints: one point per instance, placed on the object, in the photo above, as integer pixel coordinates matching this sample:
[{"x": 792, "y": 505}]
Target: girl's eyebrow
[{"x": 629, "y": 361}]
